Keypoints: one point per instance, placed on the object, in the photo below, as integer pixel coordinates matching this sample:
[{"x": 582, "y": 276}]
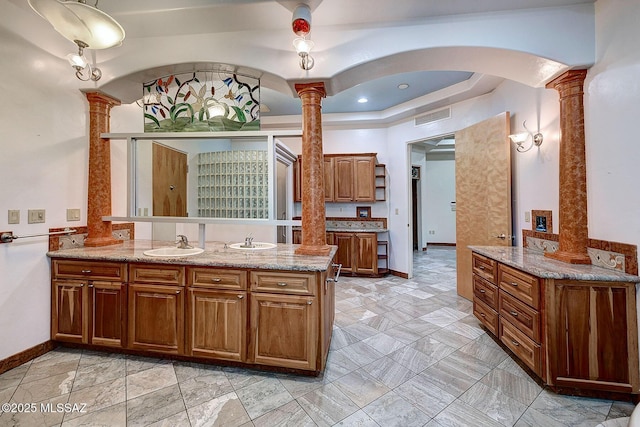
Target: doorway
[{"x": 169, "y": 181}]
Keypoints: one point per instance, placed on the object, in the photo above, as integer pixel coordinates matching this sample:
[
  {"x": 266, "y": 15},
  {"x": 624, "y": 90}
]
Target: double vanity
[{"x": 245, "y": 304}]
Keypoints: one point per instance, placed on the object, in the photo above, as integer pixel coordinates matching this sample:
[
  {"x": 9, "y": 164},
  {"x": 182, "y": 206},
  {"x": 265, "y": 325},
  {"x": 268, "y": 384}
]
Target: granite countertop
[
  {"x": 282, "y": 257},
  {"x": 536, "y": 263}
]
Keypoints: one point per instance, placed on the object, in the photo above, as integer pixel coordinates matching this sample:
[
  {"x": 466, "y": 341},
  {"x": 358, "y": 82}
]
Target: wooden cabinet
[
  {"x": 217, "y": 313},
  {"x": 156, "y": 308},
  {"x": 284, "y": 319},
  {"x": 88, "y": 302},
  {"x": 366, "y": 253},
  {"x": 344, "y": 255},
  {"x": 579, "y": 336},
  {"x": 347, "y": 178},
  {"x": 593, "y": 336}
]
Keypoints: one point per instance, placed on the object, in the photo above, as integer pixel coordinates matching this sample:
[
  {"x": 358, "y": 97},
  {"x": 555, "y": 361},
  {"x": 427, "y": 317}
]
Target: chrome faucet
[
  {"x": 248, "y": 242},
  {"x": 183, "y": 242}
]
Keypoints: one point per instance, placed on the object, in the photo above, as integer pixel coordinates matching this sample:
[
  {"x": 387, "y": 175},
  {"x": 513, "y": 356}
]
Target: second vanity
[{"x": 260, "y": 308}]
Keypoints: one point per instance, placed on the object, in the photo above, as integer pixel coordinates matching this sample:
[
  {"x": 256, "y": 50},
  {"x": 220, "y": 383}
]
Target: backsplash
[
  {"x": 612, "y": 255},
  {"x": 123, "y": 231}
]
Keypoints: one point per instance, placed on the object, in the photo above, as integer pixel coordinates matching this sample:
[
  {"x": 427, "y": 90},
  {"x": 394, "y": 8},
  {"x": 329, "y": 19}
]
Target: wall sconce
[
  {"x": 521, "y": 138},
  {"x": 80, "y": 63},
  {"x": 85, "y": 25}
]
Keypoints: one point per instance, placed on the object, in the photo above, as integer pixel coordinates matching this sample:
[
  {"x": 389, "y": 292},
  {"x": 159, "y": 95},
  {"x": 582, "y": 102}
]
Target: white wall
[{"x": 439, "y": 179}]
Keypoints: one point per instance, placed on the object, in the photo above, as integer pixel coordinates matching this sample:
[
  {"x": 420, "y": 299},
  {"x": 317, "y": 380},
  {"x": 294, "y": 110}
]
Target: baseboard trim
[
  {"x": 399, "y": 274},
  {"x": 439, "y": 244},
  {"x": 26, "y": 355}
]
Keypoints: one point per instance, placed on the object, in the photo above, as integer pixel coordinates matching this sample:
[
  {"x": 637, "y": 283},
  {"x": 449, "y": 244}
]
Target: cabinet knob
[
  {"x": 482, "y": 291},
  {"x": 514, "y": 284},
  {"x": 240, "y": 296},
  {"x": 309, "y": 302},
  {"x": 91, "y": 285},
  {"x": 516, "y": 343},
  {"x": 481, "y": 267},
  {"x": 282, "y": 284},
  {"x": 216, "y": 280},
  {"x": 177, "y": 292},
  {"x": 85, "y": 271},
  {"x": 483, "y": 315},
  {"x": 514, "y": 313}
]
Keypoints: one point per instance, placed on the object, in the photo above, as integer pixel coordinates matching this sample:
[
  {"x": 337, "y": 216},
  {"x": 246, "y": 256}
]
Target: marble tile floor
[{"x": 404, "y": 353}]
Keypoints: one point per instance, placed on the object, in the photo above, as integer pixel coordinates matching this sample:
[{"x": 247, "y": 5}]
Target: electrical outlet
[
  {"x": 73, "y": 214},
  {"x": 14, "y": 216},
  {"x": 36, "y": 216},
  {"x": 527, "y": 217}
]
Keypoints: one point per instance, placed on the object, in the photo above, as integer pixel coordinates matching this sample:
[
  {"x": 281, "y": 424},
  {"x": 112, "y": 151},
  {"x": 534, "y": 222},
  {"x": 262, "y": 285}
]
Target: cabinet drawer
[
  {"x": 521, "y": 285},
  {"x": 522, "y": 346},
  {"x": 486, "y": 315},
  {"x": 485, "y": 292},
  {"x": 520, "y": 315},
  {"x": 217, "y": 278},
  {"x": 159, "y": 274},
  {"x": 484, "y": 267},
  {"x": 283, "y": 282},
  {"x": 89, "y": 270}
]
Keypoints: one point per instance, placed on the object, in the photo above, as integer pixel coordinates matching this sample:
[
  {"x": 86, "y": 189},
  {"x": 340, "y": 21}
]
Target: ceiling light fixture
[
  {"x": 363, "y": 100},
  {"x": 403, "y": 86},
  {"x": 301, "y": 26},
  {"x": 520, "y": 138},
  {"x": 85, "y": 25}
]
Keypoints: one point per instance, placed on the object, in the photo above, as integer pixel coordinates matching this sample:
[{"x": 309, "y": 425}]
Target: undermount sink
[
  {"x": 173, "y": 252},
  {"x": 255, "y": 246}
]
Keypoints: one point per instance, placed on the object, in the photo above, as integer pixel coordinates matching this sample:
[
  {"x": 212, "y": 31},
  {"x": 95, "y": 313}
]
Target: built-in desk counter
[
  {"x": 574, "y": 326},
  {"x": 261, "y": 308}
]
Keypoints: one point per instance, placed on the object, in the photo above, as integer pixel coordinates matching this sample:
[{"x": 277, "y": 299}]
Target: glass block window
[{"x": 233, "y": 184}]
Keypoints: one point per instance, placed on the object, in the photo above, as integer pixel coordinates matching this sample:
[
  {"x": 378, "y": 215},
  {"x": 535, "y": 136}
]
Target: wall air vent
[{"x": 445, "y": 113}]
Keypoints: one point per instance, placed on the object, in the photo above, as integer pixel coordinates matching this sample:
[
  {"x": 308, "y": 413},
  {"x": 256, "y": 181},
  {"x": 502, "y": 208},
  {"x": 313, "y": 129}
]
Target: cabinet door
[
  {"x": 594, "y": 336},
  {"x": 156, "y": 318},
  {"x": 284, "y": 330},
  {"x": 217, "y": 324},
  {"x": 364, "y": 187},
  {"x": 344, "y": 255},
  {"x": 328, "y": 179},
  {"x": 108, "y": 308},
  {"x": 297, "y": 237},
  {"x": 366, "y": 253},
  {"x": 343, "y": 179},
  {"x": 69, "y": 317}
]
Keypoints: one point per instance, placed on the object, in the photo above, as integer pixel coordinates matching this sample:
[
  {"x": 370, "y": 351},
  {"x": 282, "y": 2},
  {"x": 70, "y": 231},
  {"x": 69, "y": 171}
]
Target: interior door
[
  {"x": 169, "y": 181},
  {"x": 483, "y": 192}
]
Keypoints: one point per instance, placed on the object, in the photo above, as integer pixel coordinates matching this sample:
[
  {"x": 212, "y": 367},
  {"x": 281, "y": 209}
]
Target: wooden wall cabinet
[
  {"x": 156, "y": 308},
  {"x": 347, "y": 178},
  {"x": 89, "y": 302}
]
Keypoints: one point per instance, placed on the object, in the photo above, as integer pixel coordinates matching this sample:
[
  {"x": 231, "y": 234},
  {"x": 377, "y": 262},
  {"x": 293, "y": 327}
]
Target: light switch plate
[
  {"x": 73, "y": 214},
  {"x": 14, "y": 216},
  {"x": 36, "y": 216}
]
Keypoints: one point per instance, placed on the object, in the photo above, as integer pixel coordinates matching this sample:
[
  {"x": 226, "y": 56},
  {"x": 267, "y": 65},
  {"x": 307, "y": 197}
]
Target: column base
[
  {"x": 313, "y": 250},
  {"x": 93, "y": 242},
  {"x": 569, "y": 257}
]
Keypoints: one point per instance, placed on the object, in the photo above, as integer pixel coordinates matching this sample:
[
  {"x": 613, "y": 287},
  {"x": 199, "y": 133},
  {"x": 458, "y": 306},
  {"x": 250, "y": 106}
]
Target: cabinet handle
[
  {"x": 481, "y": 267},
  {"x": 514, "y": 284},
  {"x": 82, "y": 285},
  {"x": 85, "y": 271},
  {"x": 514, "y": 313},
  {"x": 240, "y": 296},
  {"x": 309, "y": 302},
  {"x": 282, "y": 284},
  {"x": 482, "y": 291},
  {"x": 90, "y": 285},
  {"x": 216, "y": 280},
  {"x": 516, "y": 343},
  {"x": 177, "y": 292},
  {"x": 483, "y": 315}
]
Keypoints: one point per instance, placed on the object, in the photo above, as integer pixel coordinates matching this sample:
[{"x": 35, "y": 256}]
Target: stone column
[
  {"x": 99, "y": 191},
  {"x": 574, "y": 232},
  {"x": 314, "y": 240}
]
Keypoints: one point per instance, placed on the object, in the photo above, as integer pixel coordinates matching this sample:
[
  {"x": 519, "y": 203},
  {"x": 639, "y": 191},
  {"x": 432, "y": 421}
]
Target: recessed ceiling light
[
  {"x": 363, "y": 100},
  {"x": 403, "y": 86}
]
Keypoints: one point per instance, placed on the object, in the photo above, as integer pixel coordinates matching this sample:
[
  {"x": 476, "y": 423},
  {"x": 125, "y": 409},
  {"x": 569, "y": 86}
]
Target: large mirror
[{"x": 220, "y": 178}]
